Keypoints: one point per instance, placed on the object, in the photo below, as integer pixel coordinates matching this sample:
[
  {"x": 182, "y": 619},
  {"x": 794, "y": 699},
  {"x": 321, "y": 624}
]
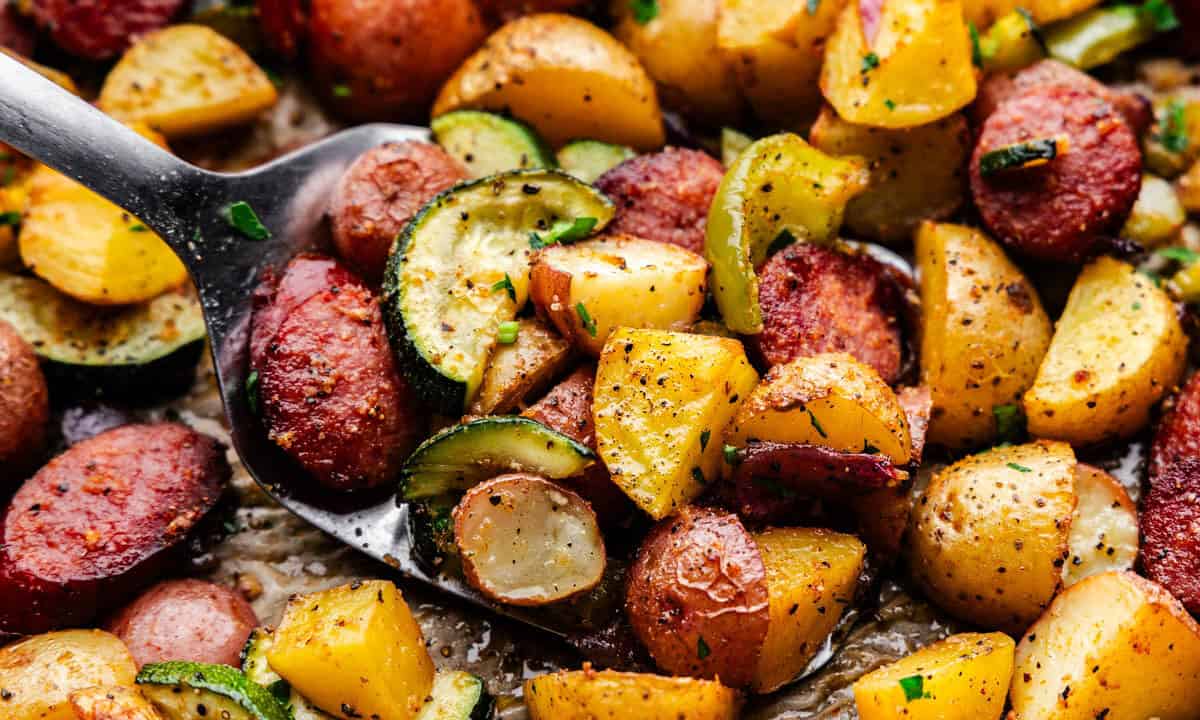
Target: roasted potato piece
[
  {"x": 898, "y": 63},
  {"x": 990, "y": 535},
  {"x": 589, "y": 289},
  {"x": 527, "y": 541},
  {"x": 563, "y": 75},
  {"x": 812, "y": 577},
  {"x": 1114, "y": 646},
  {"x": 916, "y": 174},
  {"x": 355, "y": 651},
  {"x": 1157, "y": 215},
  {"x": 1104, "y": 528},
  {"x": 186, "y": 80},
  {"x": 91, "y": 249},
  {"x": 983, "y": 333},
  {"x": 678, "y": 48},
  {"x": 1117, "y": 348},
  {"x": 776, "y": 48},
  {"x": 662, "y": 401},
  {"x": 112, "y": 703},
  {"x": 830, "y": 400},
  {"x": 522, "y": 368},
  {"x": 697, "y": 597},
  {"x": 964, "y": 677},
  {"x": 38, "y": 674},
  {"x": 607, "y": 695}
]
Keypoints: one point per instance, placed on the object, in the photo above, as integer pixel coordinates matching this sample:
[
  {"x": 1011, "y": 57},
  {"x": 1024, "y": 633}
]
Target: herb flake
[
  {"x": 586, "y": 319},
  {"x": 1010, "y": 423},
  {"x": 342, "y": 91},
  {"x": 870, "y": 61},
  {"x": 1174, "y": 135},
  {"x": 704, "y": 436},
  {"x": 1019, "y": 468},
  {"x": 644, "y": 10},
  {"x": 507, "y": 286},
  {"x": 913, "y": 687},
  {"x": 730, "y": 454},
  {"x": 816, "y": 425},
  {"x": 138, "y": 228},
  {"x": 976, "y": 49},
  {"x": 1181, "y": 255},
  {"x": 702, "y": 649},
  {"x": 1159, "y": 15},
  {"x": 12, "y": 218},
  {"x": 252, "y": 391},
  {"x": 507, "y": 332},
  {"x": 563, "y": 231},
  {"x": 243, "y": 219}
]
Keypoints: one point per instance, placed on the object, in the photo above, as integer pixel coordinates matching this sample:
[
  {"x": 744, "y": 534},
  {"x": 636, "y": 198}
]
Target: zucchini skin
[{"x": 162, "y": 379}]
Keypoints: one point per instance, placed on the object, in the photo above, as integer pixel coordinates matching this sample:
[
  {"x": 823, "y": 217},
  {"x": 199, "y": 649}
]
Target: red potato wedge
[
  {"x": 527, "y": 541},
  {"x": 24, "y": 406},
  {"x": 519, "y": 370},
  {"x": 697, "y": 597},
  {"x": 618, "y": 281},
  {"x": 1104, "y": 527}
]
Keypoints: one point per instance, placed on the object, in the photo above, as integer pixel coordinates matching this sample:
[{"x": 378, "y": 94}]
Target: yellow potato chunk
[
  {"x": 1117, "y": 349},
  {"x": 91, "y": 249},
  {"x": 964, "y": 677},
  {"x": 112, "y": 703},
  {"x": 983, "y": 332},
  {"x": 831, "y": 400},
  {"x": 991, "y": 533},
  {"x": 564, "y": 76},
  {"x": 917, "y": 69},
  {"x": 41, "y": 672},
  {"x": 662, "y": 401},
  {"x": 812, "y": 576},
  {"x": 1114, "y": 646},
  {"x": 610, "y": 695},
  {"x": 185, "y": 80},
  {"x": 355, "y": 651}
]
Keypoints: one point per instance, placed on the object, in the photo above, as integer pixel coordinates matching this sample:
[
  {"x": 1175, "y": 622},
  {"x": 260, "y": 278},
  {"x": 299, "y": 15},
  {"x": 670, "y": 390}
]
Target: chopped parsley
[
  {"x": 698, "y": 476},
  {"x": 730, "y": 453},
  {"x": 1010, "y": 423},
  {"x": 507, "y": 333},
  {"x": 1019, "y": 468},
  {"x": 586, "y": 319},
  {"x": 563, "y": 231},
  {"x": 1136, "y": 306},
  {"x": 342, "y": 91},
  {"x": 704, "y": 436},
  {"x": 10, "y": 218},
  {"x": 252, "y": 391},
  {"x": 870, "y": 61},
  {"x": 1151, "y": 276},
  {"x": 1022, "y": 155},
  {"x": 138, "y": 228},
  {"x": 1182, "y": 255},
  {"x": 869, "y": 449},
  {"x": 702, "y": 650},
  {"x": 507, "y": 286},
  {"x": 1159, "y": 15},
  {"x": 816, "y": 425},
  {"x": 889, "y": 103},
  {"x": 244, "y": 220},
  {"x": 976, "y": 49},
  {"x": 913, "y": 687},
  {"x": 782, "y": 240},
  {"x": 1174, "y": 135},
  {"x": 812, "y": 6},
  {"x": 643, "y": 10}
]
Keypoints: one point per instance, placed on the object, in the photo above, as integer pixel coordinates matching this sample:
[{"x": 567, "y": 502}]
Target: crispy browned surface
[
  {"x": 185, "y": 620},
  {"x": 95, "y": 524},
  {"x": 816, "y": 300},
  {"x": 24, "y": 406},
  {"x": 1059, "y": 211},
  {"x": 1178, "y": 435},
  {"x": 329, "y": 390},
  {"x": 697, "y": 596},
  {"x": 1170, "y": 515},
  {"x": 391, "y": 55},
  {"x": 100, "y": 29},
  {"x": 664, "y": 196},
  {"x": 380, "y": 193}
]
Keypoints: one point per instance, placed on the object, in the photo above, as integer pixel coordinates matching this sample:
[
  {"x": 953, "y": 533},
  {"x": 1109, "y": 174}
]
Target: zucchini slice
[
  {"x": 589, "y": 159},
  {"x": 487, "y": 143},
  {"x": 457, "y": 695},
  {"x": 461, "y": 267},
  {"x": 184, "y": 690},
  {"x": 464, "y": 455},
  {"x": 139, "y": 353}
]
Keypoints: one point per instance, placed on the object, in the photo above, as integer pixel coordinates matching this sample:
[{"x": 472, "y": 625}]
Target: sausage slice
[
  {"x": 24, "y": 406},
  {"x": 101, "y": 29}
]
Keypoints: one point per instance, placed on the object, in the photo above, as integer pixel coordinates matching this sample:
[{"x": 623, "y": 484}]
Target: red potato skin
[
  {"x": 329, "y": 390},
  {"x": 14, "y": 33},
  {"x": 24, "y": 406},
  {"x": 917, "y": 403},
  {"x": 999, "y": 87},
  {"x": 1060, "y": 211},
  {"x": 1178, "y": 435},
  {"x": 664, "y": 196},
  {"x": 817, "y": 300},
  {"x": 99, "y": 522},
  {"x": 567, "y": 408},
  {"x": 699, "y": 575},
  {"x": 101, "y": 29},
  {"x": 185, "y": 620},
  {"x": 380, "y": 193},
  {"x": 284, "y": 25},
  {"x": 1170, "y": 551},
  {"x": 392, "y": 55}
]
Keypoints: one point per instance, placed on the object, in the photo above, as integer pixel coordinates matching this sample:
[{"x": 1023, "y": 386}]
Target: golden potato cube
[
  {"x": 831, "y": 400},
  {"x": 564, "y": 76},
  {"x": 1117, "y": 349},
  {"x": 355, "y": 651},
  {"x": 41, "y": 672},
  {"x": 916, "y": 70},
  {"x": 964, "y": 677},
  {"x": 990, "y": 535},
  {"x": 662, "y": 402},
  {"x": 983, "y": 332},
  {"x": 590, "y": 695},
  {"x": 184, "y": 80},
  {"x": 812, "y": 576},
  {"x": 1114, "y": 646}
]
